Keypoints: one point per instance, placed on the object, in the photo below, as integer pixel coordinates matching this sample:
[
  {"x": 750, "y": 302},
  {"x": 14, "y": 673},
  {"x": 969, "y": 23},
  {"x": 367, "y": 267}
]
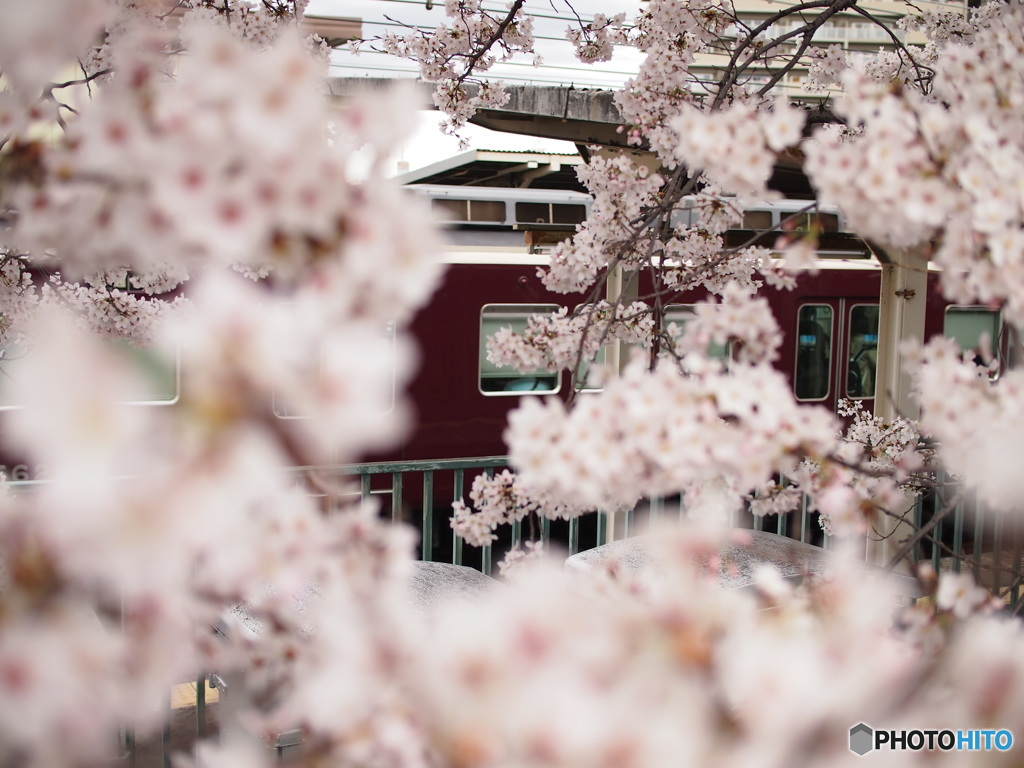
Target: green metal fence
[{"x": 967, "y": 537}]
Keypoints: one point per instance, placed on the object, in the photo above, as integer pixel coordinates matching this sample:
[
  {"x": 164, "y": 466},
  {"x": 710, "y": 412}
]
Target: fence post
[
  {"x": 396, "y": 497},
  {"x": 457, "y": 540},
  {"x": 427, "y": 537}
]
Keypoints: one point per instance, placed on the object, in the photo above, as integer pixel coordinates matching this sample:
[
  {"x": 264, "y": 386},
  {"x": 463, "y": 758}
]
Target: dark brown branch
[
  {"x": 474, "y": 58},
  {"x": 733, "y": 71}
]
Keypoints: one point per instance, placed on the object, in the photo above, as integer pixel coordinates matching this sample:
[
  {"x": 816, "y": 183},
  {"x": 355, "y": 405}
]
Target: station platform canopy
[{"x": 502, "y": 168}]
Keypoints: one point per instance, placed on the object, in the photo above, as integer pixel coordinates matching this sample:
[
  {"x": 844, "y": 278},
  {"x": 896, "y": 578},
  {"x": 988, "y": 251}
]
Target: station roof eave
[{"x": 506, "y": 168}]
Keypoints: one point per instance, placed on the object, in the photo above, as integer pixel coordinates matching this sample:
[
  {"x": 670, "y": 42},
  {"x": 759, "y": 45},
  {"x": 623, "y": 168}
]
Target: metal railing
[{"x": 967, "y": 537}]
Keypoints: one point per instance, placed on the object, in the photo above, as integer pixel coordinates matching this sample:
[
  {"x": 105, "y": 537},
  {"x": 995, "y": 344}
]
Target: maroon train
[{"x": 498, "y": 235}]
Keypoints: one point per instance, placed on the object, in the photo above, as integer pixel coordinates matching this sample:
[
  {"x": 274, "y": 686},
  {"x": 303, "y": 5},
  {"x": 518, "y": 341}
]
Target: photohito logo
[{"x": 864, "y": 739}]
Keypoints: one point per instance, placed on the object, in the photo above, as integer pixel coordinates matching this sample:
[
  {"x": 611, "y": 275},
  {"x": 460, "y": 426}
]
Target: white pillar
[{"x": 902, "y": 302}]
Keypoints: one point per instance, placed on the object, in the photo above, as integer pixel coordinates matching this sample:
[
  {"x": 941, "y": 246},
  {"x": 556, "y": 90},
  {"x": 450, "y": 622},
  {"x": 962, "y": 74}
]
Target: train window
[
  {"x": 160, "y": 378},
  {"x": 681, "y": 314},
  {"x": 827, "y": 222},
  {"x": 813, "y": 352},
  {"x": 562, "y": 213},
  {"x": 863, "y": 351},
  {"x": 487, "y": 211},
  {"x": 588, "y": 385},
  {"x": 508, "y": 381},
  {"x": 967, "y": 325},
  {"x": 533, "y": 213},
  {"x": 158, "y": 381},
  {"x": 447, "y": 209},
  {"x": 757, "y": 220},
  {"x": 550, "y": 213}
]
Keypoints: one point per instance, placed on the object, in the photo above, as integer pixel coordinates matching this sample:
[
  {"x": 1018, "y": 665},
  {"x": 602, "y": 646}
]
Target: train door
[{"x": 836, "y": 351}]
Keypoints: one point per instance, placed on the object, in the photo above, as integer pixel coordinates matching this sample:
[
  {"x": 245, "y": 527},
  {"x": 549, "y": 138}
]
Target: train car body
[{"x": 829, "y": 320}]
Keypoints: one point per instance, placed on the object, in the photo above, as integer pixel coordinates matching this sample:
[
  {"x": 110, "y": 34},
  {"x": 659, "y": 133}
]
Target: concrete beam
[
  {"x": 553, "y": 112},
  {"x": 336, "y": 31}
]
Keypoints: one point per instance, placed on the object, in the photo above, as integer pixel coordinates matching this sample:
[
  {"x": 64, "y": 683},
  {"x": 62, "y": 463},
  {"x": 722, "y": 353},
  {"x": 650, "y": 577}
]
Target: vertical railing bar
[
  {"x": 780, "y": 524},
  {"x": 979, "y": 533},
  {"x": 457, "y": 540},
  {"x": 758, "y": 523},
  {"x": 936, "y": 543},
  {"x": 486, "y": 551},
  {"x": 1015, "y": 576},
  {"x": 958, "y": 536},
  {"x": 602, "y": 528},
  {"x": 201, "y": 707},
  {"x": 916, "y": 554},
  {"x": 364, "y": 488},
  {"x": 654, "y": 511},
  {"x": 997, "y": 553},
  {"x": 129, "y": 746},
  {"x": 574, "y": 535},
  {"x": 805, "y": 518},
  {"x": 545, "y": 531},
  {"x": 396, "y": 497},
  {"x": 517, "y": 533},
  {"x": 427, "y": 536},
  {"x": 627, "y": 524},
  {"x": 165, "y": 737}
]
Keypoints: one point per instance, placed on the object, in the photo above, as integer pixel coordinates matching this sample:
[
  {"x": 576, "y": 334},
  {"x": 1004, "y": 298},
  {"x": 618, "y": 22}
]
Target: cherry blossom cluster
[
  {"x": 744, "y": 322},
  {"x": 663, "y": 666},
  {"x": 662, "y": 432},
  {"x": 974, "y": 418},
  {"x": 753, "y": 142},
  {"x": 456, "y": 55},
  {"x": 826, "y": 67},
  {"x": 876, "y": 467},
  {"x": 671, "y": 34},
  {"x": 594, "y": 41},
  {"x": 169, "y": 173},
  {"x": 159, "y": 520},
  {"x": 943, "y": 25},
  {"x": 622, "y": 190},
  {"x": 937, "y": 168},
  {"x": 557, "y": 341},
  {"x": 501, "y": 500}
]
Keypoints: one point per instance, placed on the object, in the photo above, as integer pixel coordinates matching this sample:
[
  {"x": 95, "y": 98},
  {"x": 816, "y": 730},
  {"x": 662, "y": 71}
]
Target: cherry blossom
[{"x": 199, "y": 198}]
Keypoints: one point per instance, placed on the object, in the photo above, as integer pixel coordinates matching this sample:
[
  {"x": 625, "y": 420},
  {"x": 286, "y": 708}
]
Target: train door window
[
  {"x": 862, "y": 355},
  {"x": 681, "y": 314},
  {"x": 813, "y": 352},
  {"x": 968, "y": 325},
  {"x": 508, "y": 381}
]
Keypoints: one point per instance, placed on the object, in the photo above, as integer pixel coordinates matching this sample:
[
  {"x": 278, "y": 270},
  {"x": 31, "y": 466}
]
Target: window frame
[
  {"x": 848, "y": 343},
  {"x": 536, "y": 309},
  {"x": 831, "y": 348}
]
